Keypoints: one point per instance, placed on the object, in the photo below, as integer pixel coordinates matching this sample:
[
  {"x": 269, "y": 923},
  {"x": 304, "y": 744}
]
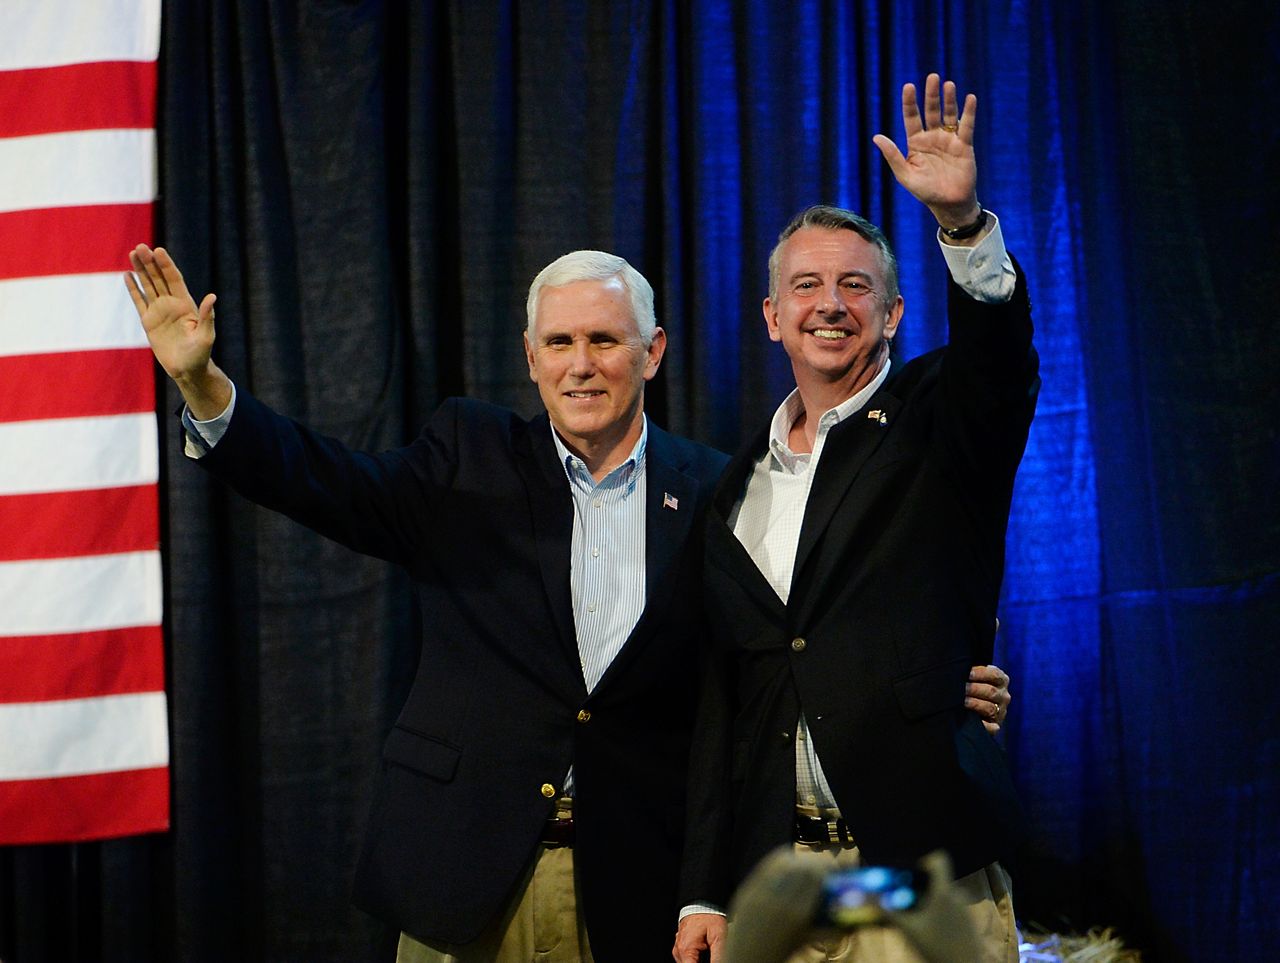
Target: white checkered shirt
[{"x": 767, "y": 522}]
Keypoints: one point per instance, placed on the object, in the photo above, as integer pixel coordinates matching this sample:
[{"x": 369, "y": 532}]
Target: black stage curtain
[{"x": 369, "y": 187}]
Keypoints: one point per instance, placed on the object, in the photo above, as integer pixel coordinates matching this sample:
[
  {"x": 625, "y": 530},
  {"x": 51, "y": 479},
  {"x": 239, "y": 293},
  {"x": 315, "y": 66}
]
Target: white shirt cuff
[
  {"x": 984, "y": 271},
  {"x": 701, "y": 908}
]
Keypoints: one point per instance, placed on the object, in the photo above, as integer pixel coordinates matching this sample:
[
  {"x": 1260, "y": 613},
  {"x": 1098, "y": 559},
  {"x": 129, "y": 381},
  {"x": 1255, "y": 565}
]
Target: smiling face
[
  {"x": 590, "y": 365},
  {"x": 831, "y": 311}
]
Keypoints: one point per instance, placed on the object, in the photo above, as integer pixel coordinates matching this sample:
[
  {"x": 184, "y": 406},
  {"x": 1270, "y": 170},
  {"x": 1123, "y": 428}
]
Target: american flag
[{"x": 84, "y": 749}]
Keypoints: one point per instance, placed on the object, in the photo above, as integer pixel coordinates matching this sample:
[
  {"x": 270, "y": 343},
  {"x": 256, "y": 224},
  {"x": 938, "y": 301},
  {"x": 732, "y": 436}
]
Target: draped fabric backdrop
[{"x": 369, "y": 187}]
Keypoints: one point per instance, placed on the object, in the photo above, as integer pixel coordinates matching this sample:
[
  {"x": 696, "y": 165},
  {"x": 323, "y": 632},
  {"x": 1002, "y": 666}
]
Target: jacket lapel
[
  {"x": 723, "y": 545},
  {"x": 671, "y": 498},
  {"x": 671, "y": 501},
  {"x": 551, "y": 510},
  {"x": 847, "y": 449}
]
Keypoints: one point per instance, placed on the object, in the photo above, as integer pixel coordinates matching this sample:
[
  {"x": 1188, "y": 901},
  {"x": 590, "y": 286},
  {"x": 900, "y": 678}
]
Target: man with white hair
[{"x": 545, "y": 738}]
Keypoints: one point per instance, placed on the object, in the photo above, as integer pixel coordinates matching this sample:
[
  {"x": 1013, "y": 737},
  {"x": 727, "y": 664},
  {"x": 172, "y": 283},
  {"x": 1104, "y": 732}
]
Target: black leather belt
[
  {"x": 558, "y": 829},
  {"x": 817, "y": 831},
  {"x": 558, "y": 832}
]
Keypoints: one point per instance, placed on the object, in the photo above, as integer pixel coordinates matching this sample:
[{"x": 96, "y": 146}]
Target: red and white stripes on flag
[{"x": 84, "y": 748}]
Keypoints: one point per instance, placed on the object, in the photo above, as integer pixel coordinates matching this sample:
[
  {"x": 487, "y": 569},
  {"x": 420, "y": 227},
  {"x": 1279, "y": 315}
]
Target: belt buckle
[
  {"x": 819, "y": 831},
  {"x": 558, "y": 830},
  {"x": 811, "y": 830}
]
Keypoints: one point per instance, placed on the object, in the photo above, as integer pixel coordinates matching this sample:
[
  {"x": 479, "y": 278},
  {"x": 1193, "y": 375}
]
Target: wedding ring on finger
[{"x": 951, "y": 128}]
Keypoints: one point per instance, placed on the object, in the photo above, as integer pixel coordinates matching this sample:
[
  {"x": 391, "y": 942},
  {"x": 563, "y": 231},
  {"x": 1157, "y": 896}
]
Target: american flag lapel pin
[
  {"x": 670, "y": 501},
  {"x": 878, "y": 415}
]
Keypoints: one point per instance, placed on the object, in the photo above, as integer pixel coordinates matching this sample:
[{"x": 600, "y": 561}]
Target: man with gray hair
[{"x": 855, "y": 552}]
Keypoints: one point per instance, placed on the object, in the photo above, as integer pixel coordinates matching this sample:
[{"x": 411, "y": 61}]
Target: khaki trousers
[
  {"x": 542, "y": 923},
  {"x": 985, "y": 892}
]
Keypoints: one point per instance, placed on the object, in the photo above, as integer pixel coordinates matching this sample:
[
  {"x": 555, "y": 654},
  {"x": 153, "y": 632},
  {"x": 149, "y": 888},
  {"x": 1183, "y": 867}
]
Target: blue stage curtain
[{"x": 371, "y": 186}]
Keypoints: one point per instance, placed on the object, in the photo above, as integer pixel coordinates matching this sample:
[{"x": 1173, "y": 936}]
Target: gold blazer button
[
  {"x": 548, "y": 790},
  {"x": 797, "y": 645}
]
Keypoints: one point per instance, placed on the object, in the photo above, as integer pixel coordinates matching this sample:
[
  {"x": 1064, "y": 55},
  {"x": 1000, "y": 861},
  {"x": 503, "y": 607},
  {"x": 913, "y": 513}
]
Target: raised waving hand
[
  {"x": 939, "y": 169},
  {"x": 181, "y": 333}
]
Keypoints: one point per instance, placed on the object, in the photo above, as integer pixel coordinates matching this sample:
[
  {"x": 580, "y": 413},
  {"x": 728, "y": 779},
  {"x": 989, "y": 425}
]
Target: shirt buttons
[
  {"x": 584, "y": 715},
  {"x": 595, "y": 553},
  {"x": 798, "y": 645},
  {"x": 548, "y": 790},
  {"x": 596, "y": 503},
  {"x": 591, "y": 607}
]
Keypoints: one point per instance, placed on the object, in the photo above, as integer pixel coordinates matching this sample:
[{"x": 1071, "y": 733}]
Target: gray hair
[
  {"x": 837, "y": 219},
  {"x": 595, "y": 266}
]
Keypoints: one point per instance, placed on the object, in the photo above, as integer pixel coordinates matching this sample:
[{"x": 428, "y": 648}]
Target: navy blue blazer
[
  {"x": 478, "y": 511},
  {"x": 897, "y": 576}
]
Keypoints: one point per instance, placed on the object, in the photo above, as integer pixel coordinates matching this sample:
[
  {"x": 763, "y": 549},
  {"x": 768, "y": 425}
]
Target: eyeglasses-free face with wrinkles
[
  {"x": 830, "y": 313},
  {"x": 590, "y": 364}
]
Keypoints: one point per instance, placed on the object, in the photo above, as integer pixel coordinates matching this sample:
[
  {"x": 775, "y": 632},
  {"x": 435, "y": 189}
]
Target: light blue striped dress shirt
[
  {"x": 607, "y": 576},
  {"x": 607, "y": 573}
]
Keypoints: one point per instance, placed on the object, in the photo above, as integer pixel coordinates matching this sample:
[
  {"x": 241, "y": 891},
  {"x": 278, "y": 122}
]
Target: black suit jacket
[
  {"x": 893, "y": 598},
  {"x": 478, "y": 510}
]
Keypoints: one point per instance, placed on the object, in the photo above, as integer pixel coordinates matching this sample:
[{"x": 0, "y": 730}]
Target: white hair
[{"x": 595, "y": 266}]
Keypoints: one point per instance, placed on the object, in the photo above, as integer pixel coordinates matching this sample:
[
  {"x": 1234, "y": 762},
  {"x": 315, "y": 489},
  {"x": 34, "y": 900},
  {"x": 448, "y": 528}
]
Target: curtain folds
[{"x": 370, "y": 187}]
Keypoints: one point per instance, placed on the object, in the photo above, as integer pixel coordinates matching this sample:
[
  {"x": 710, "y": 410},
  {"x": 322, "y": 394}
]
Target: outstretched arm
[
  {"x": 180, "y": 333},
  {"x": 939, "y": 168}
]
